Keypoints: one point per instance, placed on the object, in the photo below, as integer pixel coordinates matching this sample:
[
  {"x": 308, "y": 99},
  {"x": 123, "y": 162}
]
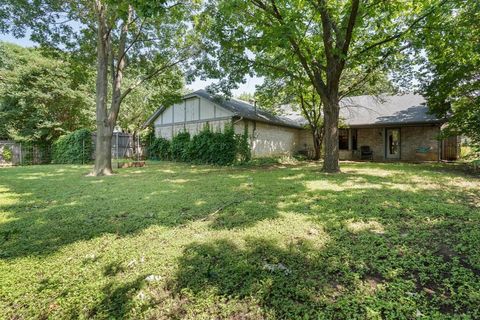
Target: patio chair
[{"x": 366, "y": 153}]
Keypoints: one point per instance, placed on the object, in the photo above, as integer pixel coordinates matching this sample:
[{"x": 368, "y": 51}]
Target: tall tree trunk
[
  {"x": 106, "y": 119},
  {"x": 103, "y": 149},
  {"x": 331, "y": 157}
]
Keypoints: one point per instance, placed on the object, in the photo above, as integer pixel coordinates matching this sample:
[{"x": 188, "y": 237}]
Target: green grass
[{"x": 391, "y": 241}]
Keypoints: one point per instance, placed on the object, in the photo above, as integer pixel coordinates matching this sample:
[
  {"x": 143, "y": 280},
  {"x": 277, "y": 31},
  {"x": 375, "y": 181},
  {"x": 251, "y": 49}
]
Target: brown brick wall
[
  {"x": 374, "y": 138},
  {"x": 411, "y": 138},
  {"x": 416, "y": 137}
]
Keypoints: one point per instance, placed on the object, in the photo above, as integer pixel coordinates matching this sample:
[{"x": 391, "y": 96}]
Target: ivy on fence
[{"x": 75, "y": 147}]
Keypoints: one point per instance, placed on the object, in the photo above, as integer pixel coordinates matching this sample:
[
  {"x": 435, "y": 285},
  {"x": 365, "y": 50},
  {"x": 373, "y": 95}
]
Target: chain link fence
[
  {"x": 16, "y": 153},
  {"x": 124, "y": 146}
]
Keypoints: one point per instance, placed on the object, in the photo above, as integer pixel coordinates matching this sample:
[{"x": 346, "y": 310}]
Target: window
[
  {"x": 343, "y": 139},
  {"x": 354, "y": 139}
]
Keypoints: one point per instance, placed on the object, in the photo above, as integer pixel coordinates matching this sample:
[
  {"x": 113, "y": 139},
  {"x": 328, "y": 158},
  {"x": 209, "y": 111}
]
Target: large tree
[
  {"x": 450, "y": 73},
  {"x": 115, "y": 36},
  {"x": 294, "y": 89},
  {"x": 42, "y": 97},
  {"x": 324, "y": 38}
]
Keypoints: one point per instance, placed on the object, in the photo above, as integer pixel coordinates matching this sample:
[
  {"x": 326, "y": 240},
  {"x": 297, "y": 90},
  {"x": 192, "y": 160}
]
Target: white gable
[{"x": 191, "y": 109}]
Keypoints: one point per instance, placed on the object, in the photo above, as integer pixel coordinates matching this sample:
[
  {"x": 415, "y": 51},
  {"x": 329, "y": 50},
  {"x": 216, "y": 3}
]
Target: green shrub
[
  {"x": 207, "y": 147},
  {"x": 159, "y": 149},
  {"x": 223, "y": 150},
  {"x": 179, "y": 146},
  {"x": 244, "y": 153},
  {"x": 199, "y": 148},
  {"x": 7, "y": 154},
  {"x": 75, "y": 147}
]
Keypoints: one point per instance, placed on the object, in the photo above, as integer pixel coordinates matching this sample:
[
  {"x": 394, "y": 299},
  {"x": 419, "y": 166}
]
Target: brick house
[{"x": 392, "y": 127}]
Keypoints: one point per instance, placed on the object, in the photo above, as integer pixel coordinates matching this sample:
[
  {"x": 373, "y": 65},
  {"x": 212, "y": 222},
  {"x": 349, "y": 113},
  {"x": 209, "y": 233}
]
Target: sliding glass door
[{"x": 392, "y": 144}]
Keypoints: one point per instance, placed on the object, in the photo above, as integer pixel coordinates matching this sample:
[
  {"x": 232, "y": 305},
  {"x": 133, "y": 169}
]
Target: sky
[{"x": 248, "y": 86}]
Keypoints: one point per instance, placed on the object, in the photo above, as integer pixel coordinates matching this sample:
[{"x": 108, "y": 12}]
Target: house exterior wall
[
  {"x": 372, "y": 137},
  {"x": 411, "y": 138},
  {"x": 191, "y": 115},
  {"x": 268, "y": 140}
]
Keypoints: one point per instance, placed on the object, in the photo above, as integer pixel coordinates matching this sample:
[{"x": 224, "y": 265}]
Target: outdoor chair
[{"x": 366, "y": 153}]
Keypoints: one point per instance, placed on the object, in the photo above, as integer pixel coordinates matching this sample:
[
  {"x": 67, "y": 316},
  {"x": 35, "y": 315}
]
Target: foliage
[
  {"x": 246, "y": 96},
  {"x": 75, "y": 147},
  {"x": 7, "y": 154},
  {"x": 139, "y": 39},
  {"x": 327, "y": 40},
  {"x": 173, "y": 240},
  {"x": 244, "y": 152},
  {"x": 201, "y": 150},
  {"x": 42, "y": 97},
  {"x": 206, "y": 147},
  {"x": 159, "y": 149},
  {"x": 179, "y": 146},
  {"x": 213, "y": 147},
  {"x": 451, "y": 67},
  {"x": 165, "y": 89}
]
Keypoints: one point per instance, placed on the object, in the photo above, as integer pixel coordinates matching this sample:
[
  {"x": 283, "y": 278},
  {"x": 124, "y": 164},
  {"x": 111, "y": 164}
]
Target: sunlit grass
[{"x": 269, "y": 241}]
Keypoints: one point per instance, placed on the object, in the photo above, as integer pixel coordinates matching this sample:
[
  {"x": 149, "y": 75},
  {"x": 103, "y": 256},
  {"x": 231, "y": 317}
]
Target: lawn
[{"x": 391, "y": 241}]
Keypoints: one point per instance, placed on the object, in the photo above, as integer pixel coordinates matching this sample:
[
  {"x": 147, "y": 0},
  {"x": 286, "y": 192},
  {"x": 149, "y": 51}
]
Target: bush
[
  {"x": 244, "y": 154},
  {"x": 75, "y": 147},
  {"x": 7, "y": 154},
  {"x": 159, "y": 149},
  {"x": 223, "y": 149},
  {"x": 207, "y": 147},
  {"x": 179, "y": 146},
  {"x": 199, "y": 149}
]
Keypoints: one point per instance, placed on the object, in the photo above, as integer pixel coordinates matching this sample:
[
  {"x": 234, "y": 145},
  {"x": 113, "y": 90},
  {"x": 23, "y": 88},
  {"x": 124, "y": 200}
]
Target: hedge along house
[
  {"x": 393, "y": 128},
  {"x": 269, "y": 135}
]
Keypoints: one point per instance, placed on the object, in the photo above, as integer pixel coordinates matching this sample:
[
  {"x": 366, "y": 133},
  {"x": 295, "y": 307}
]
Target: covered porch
[{"x": 396, "y": 143}]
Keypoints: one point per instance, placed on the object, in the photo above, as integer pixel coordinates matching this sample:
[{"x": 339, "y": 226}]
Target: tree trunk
[
  {"x": 331, "y": 157},
  {"x": 106, "y": 119},
  {"x": 317, "y": 134},
  {"x": 103, "y": 149},
  {"x": 316, "y": 144}
]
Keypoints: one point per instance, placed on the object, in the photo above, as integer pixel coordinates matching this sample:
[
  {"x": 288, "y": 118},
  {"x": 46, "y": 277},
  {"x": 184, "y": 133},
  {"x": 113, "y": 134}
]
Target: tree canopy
[
  {"x": 449, "y": 51},
  {"x": 321, "y": 38},
  {"x": 115, "y": 36},
  {"x": 42, "y": 97}
]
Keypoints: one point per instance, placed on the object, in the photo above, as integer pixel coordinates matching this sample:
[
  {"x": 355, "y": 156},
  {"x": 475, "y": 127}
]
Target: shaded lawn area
[{"x": 178, "y": 241}]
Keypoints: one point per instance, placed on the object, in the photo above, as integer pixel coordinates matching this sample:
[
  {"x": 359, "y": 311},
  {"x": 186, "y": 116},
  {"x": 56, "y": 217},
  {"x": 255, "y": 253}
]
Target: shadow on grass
[
  {"x": 49, "y": 207},
  {"x": 398, "y": 242},
  {"x": 118, "y": 300},
  {"x": 354, "y": 276}
]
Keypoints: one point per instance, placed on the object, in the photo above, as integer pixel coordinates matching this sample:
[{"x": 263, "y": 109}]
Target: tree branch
[
  {"x": 150, "y": 76},
  {"x": 400, "y": 34}
]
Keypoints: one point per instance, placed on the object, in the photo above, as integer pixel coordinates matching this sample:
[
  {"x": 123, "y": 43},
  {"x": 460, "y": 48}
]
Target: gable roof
[
  {"x": 386, "y": 110},
  {"x": 383, "y": 110},
  {"x": 405, "y": 109},
  {"x": 238, "y": 107}
]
